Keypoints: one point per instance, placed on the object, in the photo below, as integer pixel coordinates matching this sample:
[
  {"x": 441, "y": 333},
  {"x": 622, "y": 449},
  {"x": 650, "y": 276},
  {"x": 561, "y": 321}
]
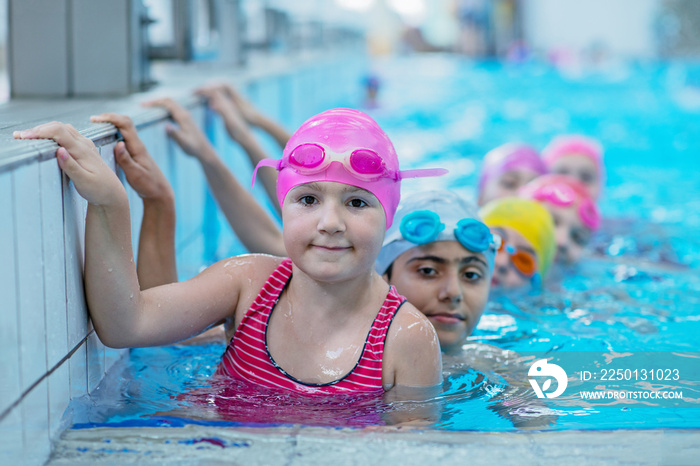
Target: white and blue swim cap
[{"x": 439, "y": 215}]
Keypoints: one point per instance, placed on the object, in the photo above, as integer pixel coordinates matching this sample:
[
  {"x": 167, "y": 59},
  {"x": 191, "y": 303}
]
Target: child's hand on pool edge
[
  {"x": 185, "y": 132},
  {"x": 80, "y": 160},
  {"x": 141, "y": 171},
  {"x": 234, "y": 121}
]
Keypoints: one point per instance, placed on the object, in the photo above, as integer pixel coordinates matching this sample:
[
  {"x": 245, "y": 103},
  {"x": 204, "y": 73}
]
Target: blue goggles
[{"x": 424, "y": 226}]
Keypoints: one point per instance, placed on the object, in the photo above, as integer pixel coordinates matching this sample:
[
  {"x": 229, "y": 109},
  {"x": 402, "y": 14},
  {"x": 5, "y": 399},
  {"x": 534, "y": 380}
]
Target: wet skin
[
  {"x": 333, "y": 232},
  {"x": 580, "y": 167},
  {"x": 506, "y": 185},
  {"x": 505, "y": 275},
  {"x": 570, "y": 233},
  {"x": 337, "y": 229},
  {"x": 447, "y": 283}
]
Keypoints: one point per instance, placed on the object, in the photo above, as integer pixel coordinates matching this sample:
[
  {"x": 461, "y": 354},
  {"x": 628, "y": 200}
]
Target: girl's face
[
  {"x": 506, "y": 185},
  {"x": 570, "y": 232},
  {"x": 447, "y": 283},
  {"x": 332, "y": 231},
  {"x": 505, "y": 273},
  {"x": 580, "y": 167}
]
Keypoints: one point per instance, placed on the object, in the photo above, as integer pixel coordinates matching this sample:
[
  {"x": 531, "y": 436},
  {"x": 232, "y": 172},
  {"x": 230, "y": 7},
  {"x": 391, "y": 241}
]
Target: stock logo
[{"x": 542, "y": 368}]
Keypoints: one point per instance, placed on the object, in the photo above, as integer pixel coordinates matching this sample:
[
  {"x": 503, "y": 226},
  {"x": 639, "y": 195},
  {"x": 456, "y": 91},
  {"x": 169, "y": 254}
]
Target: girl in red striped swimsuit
[{"x": 322, "y": 321}]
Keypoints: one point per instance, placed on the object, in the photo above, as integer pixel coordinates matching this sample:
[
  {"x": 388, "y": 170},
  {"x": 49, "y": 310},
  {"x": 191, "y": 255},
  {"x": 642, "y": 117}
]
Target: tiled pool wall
[{"x": 50, "y": 352}]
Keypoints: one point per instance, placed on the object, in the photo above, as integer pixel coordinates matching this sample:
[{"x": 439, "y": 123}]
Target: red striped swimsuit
[{"x": 248, "y": 357}]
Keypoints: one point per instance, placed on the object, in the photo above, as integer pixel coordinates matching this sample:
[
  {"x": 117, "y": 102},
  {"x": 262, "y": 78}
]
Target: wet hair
[{"x": 388, "y": 271}]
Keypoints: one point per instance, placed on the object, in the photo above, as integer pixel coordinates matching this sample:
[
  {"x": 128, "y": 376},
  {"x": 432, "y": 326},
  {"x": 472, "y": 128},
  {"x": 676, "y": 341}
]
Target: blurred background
[
  {"x": 448, "y": 80},
  {"x": 569, "y": 32}
]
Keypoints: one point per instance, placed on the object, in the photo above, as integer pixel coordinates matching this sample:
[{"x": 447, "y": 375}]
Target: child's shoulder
[
  {"x": 410, "y": 325},
  {"x": 412, "y": 350},
  {"x": 244, "y": 274},
  {"x": 249, "y": 265},
  {"x": 409, "y": 312}
]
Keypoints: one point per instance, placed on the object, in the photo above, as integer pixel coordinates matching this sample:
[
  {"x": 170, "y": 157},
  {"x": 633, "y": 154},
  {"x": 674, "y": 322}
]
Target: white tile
[
  {"x": 11, "y": 443},
  {"x": 112, "y": 355},
  {"x": 54, "y": 262},
  {"x": 9, "y": 328},
  {"x": 30, "y": 274},
  {"x": 214, "y": 129},
  {"x": 35, "y": 413},
  {"x": 59, "y": 397},
  {"x": 107, "y": 153},
  {"x": 95, "y": 361},
  {"x": 136, "y": 211},
  {"x": 154, "y": 138},
  {"x": 217, "y": 236},
  {"x": 189, "y": 204},
  {"x": 74, "y": 210},
  {"x": 215, "y": 233},
  {"x": 219, "y": 239},
  {"x": 157, "y": 143},
  {"x": 190, "y": 194},
  {"x": 77, "y": 372},
  {"x": 238, "y": 161}
]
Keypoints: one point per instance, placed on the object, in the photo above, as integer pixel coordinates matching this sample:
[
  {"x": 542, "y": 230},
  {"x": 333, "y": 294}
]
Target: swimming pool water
[{"x": 637, "y": 291}]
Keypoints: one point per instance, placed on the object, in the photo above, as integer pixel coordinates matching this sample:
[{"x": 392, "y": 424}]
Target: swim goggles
[
  {"x": 564, "y": 195},
  {"x": 524, "y": 262},
  {"x": 424, "y": 226},
  {"x": 364, "y": 164}
]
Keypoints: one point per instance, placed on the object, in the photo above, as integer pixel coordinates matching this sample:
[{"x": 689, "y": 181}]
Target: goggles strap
[
  {"x": 423, "y": 172},
  {"x": 265, "y": 163},
  {"x": 589, "y": 213}
]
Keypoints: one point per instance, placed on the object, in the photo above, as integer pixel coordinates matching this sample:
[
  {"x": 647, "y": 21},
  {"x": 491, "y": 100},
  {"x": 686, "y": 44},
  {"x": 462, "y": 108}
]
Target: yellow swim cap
[{"x": 528, "y": 217}]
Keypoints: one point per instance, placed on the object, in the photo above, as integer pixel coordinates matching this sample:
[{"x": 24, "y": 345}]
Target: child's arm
[
  {"x": 412, "y": 351},
  {"x": 239, "y": 130},
  {"x": 256, "y": 118},
  {"x": 412, "y": 367},
  {"x": 254, "y": 227},
  {"x": 123, "y": 315},
  {"x": 156, "y": 255}
]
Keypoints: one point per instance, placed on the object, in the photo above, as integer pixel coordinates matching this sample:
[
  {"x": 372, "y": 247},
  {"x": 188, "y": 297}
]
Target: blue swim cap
[{"x": 430, "y": 216}]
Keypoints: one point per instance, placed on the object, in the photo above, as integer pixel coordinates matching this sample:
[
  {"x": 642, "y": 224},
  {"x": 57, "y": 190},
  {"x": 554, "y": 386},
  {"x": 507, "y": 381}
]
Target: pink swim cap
[
  {"x": 507, "y": 157},
  {"x": 345, "y": 146},
  {"x": 564, "y": 190},
  {"x": 575, "y": 144}
]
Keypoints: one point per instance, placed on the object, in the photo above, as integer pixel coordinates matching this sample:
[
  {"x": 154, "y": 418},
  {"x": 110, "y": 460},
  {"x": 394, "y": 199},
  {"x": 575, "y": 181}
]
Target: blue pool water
[{"x": 632, "y": 303}]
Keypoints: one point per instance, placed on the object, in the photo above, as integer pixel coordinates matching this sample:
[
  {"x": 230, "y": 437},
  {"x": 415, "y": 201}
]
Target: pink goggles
[
  {"x": 563, "y": 195},
  {"x": 364, "y": 164}
]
